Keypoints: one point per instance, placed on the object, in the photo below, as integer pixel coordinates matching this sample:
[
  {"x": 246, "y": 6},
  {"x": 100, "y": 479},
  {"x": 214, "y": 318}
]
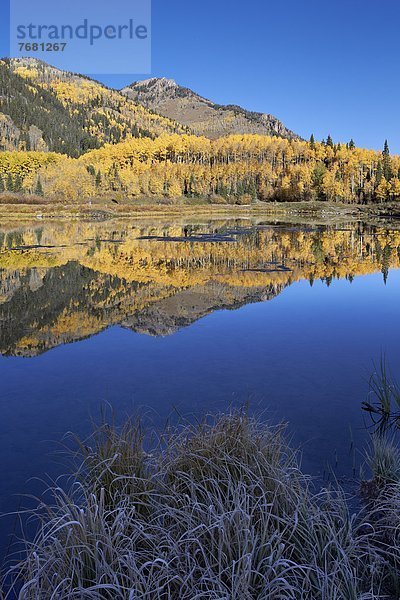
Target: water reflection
[{"x": 62, "y": 282}]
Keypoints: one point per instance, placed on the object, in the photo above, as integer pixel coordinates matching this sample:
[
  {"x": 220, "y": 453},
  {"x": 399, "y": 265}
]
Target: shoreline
[{"x": 102, "y": 210}]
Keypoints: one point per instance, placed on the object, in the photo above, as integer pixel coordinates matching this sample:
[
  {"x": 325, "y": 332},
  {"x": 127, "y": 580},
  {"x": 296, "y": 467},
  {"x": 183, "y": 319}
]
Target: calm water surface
[{"x": 190, "y": 318}]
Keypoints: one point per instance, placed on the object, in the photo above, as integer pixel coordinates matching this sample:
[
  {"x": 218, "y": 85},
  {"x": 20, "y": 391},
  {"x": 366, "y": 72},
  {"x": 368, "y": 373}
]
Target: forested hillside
[
  {"x": 43, "y": 108},
  {"x": 234, "y": 169},
  {"x": 69, "y": 137}
]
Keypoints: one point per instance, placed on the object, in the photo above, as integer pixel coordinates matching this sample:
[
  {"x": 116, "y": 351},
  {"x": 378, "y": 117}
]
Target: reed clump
[{"x": 215, "y": 511}]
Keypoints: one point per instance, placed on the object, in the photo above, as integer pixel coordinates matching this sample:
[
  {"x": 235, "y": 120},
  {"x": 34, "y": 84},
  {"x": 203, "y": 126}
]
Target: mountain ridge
[
  {"x": 201, "y": 115},
  {"x": 43, "y": 108}
]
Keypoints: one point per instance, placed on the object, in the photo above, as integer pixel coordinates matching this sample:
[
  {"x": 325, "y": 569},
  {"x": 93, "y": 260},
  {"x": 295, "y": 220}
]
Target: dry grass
[{"x": 217, "y": 511}]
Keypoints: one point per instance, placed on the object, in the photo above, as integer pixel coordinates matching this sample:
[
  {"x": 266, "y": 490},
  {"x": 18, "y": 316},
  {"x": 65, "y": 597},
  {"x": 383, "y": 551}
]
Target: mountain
[
  {"x": 202, "y": 116},
  {"x": 44, "y": 108}
]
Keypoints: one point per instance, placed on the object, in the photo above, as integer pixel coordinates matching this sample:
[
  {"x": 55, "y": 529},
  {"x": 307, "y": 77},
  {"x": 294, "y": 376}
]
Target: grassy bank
[
  {"x": 216, "y": 511},
  {"x": 19, "y": 207}
]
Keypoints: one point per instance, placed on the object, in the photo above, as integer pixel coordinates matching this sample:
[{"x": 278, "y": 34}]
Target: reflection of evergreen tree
[
  {"x": 386, "y": 258},
  {"x": 378, "y": 251},
  {"x": 39, "y": 235},
  {"x": 317, "y": 249}
]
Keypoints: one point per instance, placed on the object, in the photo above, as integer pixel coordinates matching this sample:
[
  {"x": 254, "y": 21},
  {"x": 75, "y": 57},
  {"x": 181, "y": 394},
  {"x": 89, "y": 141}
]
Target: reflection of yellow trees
[
  {"x": 255, "y": 257},
  {"x": 129, "y": 275},
  {"x": 80, "y": 324}
]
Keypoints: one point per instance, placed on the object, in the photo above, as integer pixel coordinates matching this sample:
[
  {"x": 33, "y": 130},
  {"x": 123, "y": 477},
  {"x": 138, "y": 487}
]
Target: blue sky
[{"x": 322, "y": 67}]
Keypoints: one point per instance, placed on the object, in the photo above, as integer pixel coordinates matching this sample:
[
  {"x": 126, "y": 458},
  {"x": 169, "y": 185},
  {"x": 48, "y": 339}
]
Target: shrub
[{"x": 216, "y": 511}]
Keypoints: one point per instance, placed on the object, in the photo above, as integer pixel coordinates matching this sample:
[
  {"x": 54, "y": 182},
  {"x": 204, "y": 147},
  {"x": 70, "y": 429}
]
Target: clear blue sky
[{"x": 320, "y": 66}]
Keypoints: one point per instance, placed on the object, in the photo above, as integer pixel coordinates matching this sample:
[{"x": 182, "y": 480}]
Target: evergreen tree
[
  {"x": 329, "y": 141},
  {"x": 351, "y": 145},
  {"x": 10, "y": 183},
  {"x": 387, "y": 163},
  {"x": 386, "y": 151},
  {"x": 98, "y": 179},
  {"x": 39, "y": 188},
  {"x": 318, "y": 180},
  {"x": 18, "y": 183},
  {"x": 312, "y": 141},
  {"x": 192, "y": 186},
  {"x": 379, "y": 173}
]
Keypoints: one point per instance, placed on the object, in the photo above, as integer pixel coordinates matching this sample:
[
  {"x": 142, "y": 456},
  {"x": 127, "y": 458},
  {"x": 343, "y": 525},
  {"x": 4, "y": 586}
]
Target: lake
[{"x": 183, "y": 319}]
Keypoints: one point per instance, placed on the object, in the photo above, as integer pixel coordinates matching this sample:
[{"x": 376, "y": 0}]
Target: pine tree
[
  {"x": 17, "y": 183},
  {"x": 312, "y": 141},
  {"x": 329, "y": 141},
  {"x": 387, "y": 163},
  {"x": 98, "y": 179},
  {"x": 386, "y": 151},
  {"x": 39, "y": 188},
  {"x": 191, "y": 186},
  {"x": 379, "y": 173},
  {"x": 318, "y": 180},
  {"x": 351, "y": 145},
  {"x": 10, "y": 183}
]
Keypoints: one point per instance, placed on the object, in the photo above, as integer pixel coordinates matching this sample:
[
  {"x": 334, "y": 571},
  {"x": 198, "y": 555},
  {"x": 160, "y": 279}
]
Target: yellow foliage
[
  {"x": 230, "y": 167},
  {"x": 68, "y": 180}
]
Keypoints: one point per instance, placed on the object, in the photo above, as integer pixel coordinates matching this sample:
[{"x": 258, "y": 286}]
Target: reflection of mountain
[
  {"x": 170, "y": 314},
  {"x": 73, "y": 302},
  {"x": 64, "y": 282},
  {"x": 64, "y": 304}
]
